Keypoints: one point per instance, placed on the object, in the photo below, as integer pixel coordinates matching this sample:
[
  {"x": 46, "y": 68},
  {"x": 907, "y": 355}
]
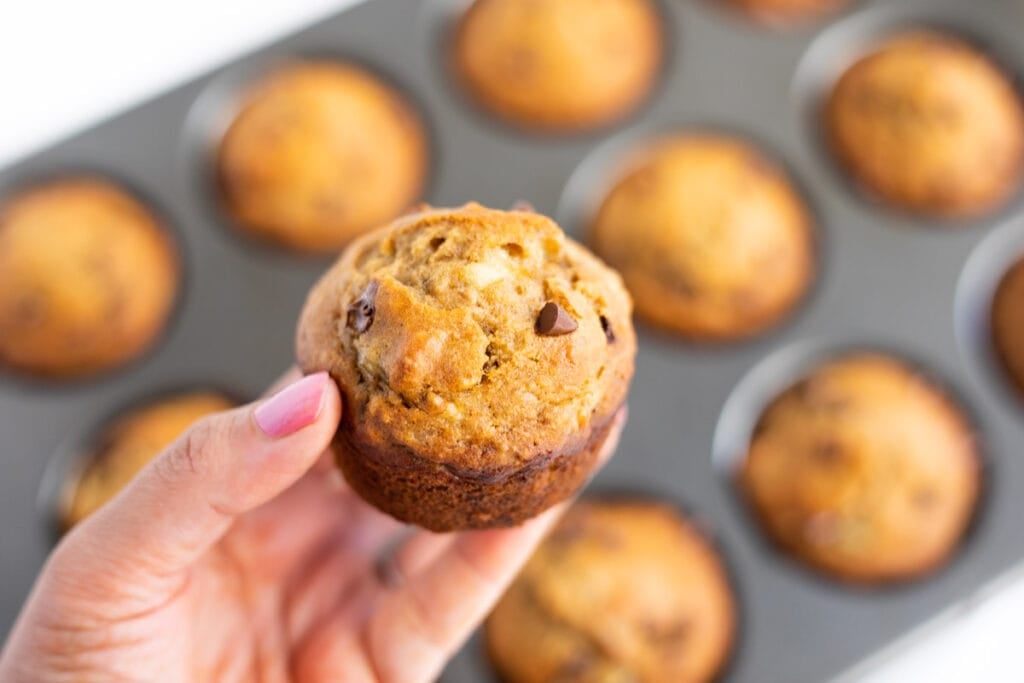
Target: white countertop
[{"x": 107, "y": 55}]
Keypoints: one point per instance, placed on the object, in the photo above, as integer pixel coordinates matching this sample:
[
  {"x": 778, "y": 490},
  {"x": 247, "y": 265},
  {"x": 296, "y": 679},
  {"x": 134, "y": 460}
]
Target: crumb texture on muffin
[
  {"x": 128, "y": 444},
  {"x": 319, "y": 153},
  {"x": 622, "y": 590},
  {"x": 88, "y": 277},
  {"x": 929, "y": 124},
  {"x": 559, "y": 64},
  {"x": 432, "y": 328},
  {"x": 710, "y": 236},
  {"x": 864, "y": 470},
  {"x": 1008, "y": 323}
]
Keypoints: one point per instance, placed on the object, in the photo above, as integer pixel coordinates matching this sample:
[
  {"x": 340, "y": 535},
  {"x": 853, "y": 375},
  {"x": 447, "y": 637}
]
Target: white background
[{"x": 65, "y": 64}]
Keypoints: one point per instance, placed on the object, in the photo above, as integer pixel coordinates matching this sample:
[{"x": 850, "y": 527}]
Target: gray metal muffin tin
[{"x": 885, "y": 280}]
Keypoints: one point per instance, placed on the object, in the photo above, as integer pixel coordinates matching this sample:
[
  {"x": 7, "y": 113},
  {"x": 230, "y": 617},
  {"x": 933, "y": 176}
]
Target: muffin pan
[{"x": 884, "y": 280}]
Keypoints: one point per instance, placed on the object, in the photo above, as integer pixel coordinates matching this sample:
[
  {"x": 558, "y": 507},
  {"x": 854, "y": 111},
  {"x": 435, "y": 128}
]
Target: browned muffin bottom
[
  {"x": 709, "y": 235},
  {"x": 787, "y": 12},
  {"x": 864, "y": 470},
  {"x": 320, "y": 153},
  {"x": 481, "y": 355},
  {"x": 559, "y": 64},
  {"x": 1007, "y": 323},
  {"x": 928, "y": 123},
  {"x": 88, "y": 277},
  {"x": 622, "y": 590},
  {"x": 127, "y": 445}
]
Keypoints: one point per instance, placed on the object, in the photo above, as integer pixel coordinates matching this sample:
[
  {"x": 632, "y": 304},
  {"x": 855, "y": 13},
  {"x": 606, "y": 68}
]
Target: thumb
[{"x": 189, "y": 495}]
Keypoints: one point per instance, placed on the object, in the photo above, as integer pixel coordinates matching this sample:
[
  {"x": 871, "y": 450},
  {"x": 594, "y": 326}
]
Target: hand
[{"x": 239, "y": 554}]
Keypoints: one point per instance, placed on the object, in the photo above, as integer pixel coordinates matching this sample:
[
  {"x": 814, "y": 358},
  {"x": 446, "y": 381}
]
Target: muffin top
[
  {"x": 127, "y": 445},
  {"x": 319, "y": 153},
  {"x": 87, "y": 277},
  {"x": 929, "y": 124},
  {"x": 1008, "y": 323},
  {"x": 786, "y": 12},
  {"x": 865, "y": 470},
  {"x": 710, "y": 236},
  {"x": 477, "y": 338},
  {"x": 621, "y": 591},
  {"x": 559, "y": 64}
]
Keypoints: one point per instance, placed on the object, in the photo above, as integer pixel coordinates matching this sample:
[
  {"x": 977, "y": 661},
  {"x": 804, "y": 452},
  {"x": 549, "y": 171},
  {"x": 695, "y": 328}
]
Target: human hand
[{"x": 239, "y": 554}]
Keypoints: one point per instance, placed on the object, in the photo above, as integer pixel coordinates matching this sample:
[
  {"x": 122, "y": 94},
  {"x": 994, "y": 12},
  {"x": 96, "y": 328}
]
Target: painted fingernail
[{"x": 294, "y": 407}]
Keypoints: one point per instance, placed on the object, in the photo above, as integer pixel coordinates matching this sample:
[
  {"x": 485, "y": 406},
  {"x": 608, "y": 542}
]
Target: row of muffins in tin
[
  {"x": 709, "y": 232},
  {"x": 863, "y": 470}
]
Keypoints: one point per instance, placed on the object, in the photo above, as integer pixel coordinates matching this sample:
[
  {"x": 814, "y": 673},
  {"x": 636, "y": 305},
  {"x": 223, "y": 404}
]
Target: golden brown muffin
[
  {"x": 864, "y": 470},
  {"x": 319, "y": 153},
  {"x": 559, "y": 64},
  {"x": 482, "y": 357},
  {"x": 710, "y": 237},
  {"x": 787, "y": 12},
  {"x": 87, "y": 278},
  {"x": 128, "y": 444},
  {"x": 929, "y": 124},
  {"x": 621, "y": 591},
  {"x": 1008, "y": 323}
]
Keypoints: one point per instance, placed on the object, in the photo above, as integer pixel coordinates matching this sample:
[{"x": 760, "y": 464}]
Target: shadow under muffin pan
[{"x": 877, "y": 286}]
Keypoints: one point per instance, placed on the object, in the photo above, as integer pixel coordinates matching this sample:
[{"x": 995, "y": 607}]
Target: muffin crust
[
  {"x": 1008, "y": 323},
  {"x": 320, "y": 153},
  {"x": 559, "y": 64},
  {"x": 622, "y": 590},
  {"x": 864, "y": 471},
  {"x": 88, "y": 278},
  {"x": 929, "y": 124},
  {"x": 459, "y": 413},
  {"x": 128, "y": 444},
  {"x": 711, "y": 238}
]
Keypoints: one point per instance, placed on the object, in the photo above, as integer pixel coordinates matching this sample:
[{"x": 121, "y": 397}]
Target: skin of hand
[{"x": 239, "y": 554}]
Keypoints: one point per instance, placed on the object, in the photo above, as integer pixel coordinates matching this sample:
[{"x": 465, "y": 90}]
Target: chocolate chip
[
  {"x": 607, "y": 327},
  {"x": 360, "y": 313},
  {"x": 523, "y": 205},
  {"x": 554, "y": 321},
  {"x": 828, "y": 452}
]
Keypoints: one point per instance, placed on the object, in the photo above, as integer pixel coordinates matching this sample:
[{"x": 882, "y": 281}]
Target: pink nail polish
[{"x": 292, "y": 408}]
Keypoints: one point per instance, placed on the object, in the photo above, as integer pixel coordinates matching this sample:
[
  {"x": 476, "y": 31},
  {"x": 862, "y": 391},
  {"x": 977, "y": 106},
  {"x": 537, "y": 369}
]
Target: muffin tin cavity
[
  {"x": 844, "y": 44},
  {"x": 121, "y": 443},
  {"x": 306, "y": 152},
  {"x": 983, "y": 273},
  {"x": 543, "y": 86},
  {"x": 859, "y": 484},
  {"x": 645, "y": 205},
  {"x": 90, "y": 274}
]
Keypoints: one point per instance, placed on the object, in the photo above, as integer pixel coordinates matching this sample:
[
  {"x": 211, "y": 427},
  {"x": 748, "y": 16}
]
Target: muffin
[
  {"x": 787, "y": 12},
  {"x": 864, "y": 471},
  {"x": 88, "y": 277},
  {"x": 1008, "y": 323},
  {"x": 125, "y": 447},
  {"x": 319, "y": 153},
  {"x": 482, "y": 357},
  {"x": 561, "y": 65},
  {"x": 711, "y": 238},
  {"x": 621, "y": 591},
  {"x": 930, "y": 125}
]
